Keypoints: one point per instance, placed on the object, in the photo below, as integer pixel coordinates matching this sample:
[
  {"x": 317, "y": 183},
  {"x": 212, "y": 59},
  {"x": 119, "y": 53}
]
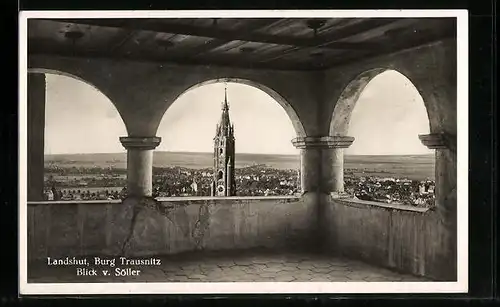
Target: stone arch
[
  {"x": 81, "y": 79},
  {"x": 347, "y": 100},
  {"x": 290, "y": 111}
]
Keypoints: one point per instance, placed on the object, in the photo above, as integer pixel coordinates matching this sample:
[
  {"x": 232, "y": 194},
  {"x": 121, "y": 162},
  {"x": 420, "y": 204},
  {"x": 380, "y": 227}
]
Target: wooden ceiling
[{"x": 288, "y": 43}]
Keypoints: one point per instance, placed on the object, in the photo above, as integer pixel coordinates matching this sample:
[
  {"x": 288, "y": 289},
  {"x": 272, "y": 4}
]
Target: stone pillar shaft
[
  {"x": 333, "y": 170},
  {"x": 446, "y": 173},
  {"x": 140, "y": 165},
  {"x": 446, "y": 197},
  {"x": 36, "y": 135},
  {"x": 322, "y": 163},
  {"x": 309, "y": 169},
  {"x": 322, "y": 167}
]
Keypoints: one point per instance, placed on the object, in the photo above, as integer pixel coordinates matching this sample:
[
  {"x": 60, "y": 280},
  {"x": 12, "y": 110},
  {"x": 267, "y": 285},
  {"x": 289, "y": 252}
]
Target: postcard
[{"x": 220, "y": 152}]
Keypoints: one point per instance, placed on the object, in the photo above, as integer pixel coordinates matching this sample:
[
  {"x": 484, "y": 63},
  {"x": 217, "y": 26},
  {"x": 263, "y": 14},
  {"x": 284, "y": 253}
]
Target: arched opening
[
  {"x": 387, "y": 162},
  {"x": 260, "y": 160},
  {"x": 83, "y": 157}
]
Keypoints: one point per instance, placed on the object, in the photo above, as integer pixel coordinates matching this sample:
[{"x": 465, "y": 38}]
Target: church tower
[{"x": 223, "y": 181}]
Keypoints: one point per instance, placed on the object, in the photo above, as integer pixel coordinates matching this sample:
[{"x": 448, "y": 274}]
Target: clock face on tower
[{"x": 220, "y": 189}]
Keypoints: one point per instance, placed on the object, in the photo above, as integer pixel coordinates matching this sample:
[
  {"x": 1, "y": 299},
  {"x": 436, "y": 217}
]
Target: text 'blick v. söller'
[{"x": 103, "y": 262}]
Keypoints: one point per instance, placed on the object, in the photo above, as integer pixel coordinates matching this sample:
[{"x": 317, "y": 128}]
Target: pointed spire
[
  {"x": 225, "y": 92},
  {"x": 224, "y": 128},
  {"x": 225, "y": 106}
]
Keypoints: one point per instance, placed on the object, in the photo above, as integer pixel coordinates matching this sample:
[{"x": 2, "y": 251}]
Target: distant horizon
[
  {"x": 405, "y": 166},
  {"x": 238, "y": 153}
]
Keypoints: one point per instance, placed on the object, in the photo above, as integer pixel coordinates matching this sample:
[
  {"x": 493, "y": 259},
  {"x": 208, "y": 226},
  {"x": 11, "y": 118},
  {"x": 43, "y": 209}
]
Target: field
[{"x": 417, "y": 167}]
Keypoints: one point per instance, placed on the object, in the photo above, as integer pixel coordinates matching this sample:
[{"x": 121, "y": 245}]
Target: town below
[{"x": 108, "y": 183}]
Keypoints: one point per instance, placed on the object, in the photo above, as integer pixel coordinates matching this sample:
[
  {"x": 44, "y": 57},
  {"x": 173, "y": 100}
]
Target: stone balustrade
[
  {"x": 167, "y": 226},
  {"x": 399, "y": 237},
  {"x": 404, "y": 238}
]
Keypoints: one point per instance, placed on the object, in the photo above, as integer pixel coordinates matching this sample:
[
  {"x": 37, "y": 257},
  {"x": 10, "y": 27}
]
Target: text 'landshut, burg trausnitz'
[{"x": 103, "y": 262}]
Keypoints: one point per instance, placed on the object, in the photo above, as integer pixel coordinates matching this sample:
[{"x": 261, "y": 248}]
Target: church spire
[
  {"x": 224, "y": 127},
  {"x": 225, "y": 106},
  {"x": 223, "y": 181}
]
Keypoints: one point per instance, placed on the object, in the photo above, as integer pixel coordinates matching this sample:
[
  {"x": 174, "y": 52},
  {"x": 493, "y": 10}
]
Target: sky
[
  {"x": 388, "y": 117},
  {"x": 80, "y": 119},
  {"x": 261, "y": 125}
]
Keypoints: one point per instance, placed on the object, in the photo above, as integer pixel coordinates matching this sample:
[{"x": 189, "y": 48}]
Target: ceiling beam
[
  {"x": 215, "y": 43},
  {"x": 217, "y": 33},
  {"x": 339, "y": 22},
  {"x": 445, "y": 32},
  {"x": 249, "y": 25},
  {"x": 128, "y": 34},
  {"x": 342, "y": 33},
  {"x": 40, "y": 48}
]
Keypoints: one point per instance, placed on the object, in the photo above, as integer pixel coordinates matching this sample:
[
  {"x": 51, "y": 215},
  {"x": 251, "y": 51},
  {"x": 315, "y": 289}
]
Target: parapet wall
[
  {"x": 167, "y": 226},
  {"x": 403, "y": 238},
  {"x": 407, "y": 239}
]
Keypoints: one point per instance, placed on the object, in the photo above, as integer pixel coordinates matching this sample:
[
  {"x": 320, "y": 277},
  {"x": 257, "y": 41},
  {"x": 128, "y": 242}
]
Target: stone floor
[{"x": 241, "y": 267}]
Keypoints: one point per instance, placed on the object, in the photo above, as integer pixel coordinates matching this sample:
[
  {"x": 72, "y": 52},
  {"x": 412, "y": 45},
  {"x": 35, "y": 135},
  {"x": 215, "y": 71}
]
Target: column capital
[
  {"x": 144, "y": 143},
  {"x": 336, "y": 141},
  {"x": 436, "y": 140}
]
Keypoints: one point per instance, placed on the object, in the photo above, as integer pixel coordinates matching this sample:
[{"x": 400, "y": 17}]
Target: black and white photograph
[{"x": 168, "y": 152}]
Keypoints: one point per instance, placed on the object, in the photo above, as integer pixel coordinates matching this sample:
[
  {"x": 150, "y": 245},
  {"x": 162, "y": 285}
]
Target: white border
[{"x": 460, "y": 286}]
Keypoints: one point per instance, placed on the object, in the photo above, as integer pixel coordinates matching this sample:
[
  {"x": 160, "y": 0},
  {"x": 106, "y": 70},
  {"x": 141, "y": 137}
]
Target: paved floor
[{"x": 242, "y": 267}]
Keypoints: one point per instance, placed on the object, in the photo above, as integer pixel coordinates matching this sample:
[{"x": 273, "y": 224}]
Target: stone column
[
  {"x": 322, "y": 172},
  {"x": 310, "y": 164},
  {"x": 36, "y": 137},
  {"x": 322, "y": 162},
  {"x": 446, "y": 173},
  {"x": 140, "y": 165},
  {"x": 333, "y": 164},
  {"x": 446, "y": 196}
]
